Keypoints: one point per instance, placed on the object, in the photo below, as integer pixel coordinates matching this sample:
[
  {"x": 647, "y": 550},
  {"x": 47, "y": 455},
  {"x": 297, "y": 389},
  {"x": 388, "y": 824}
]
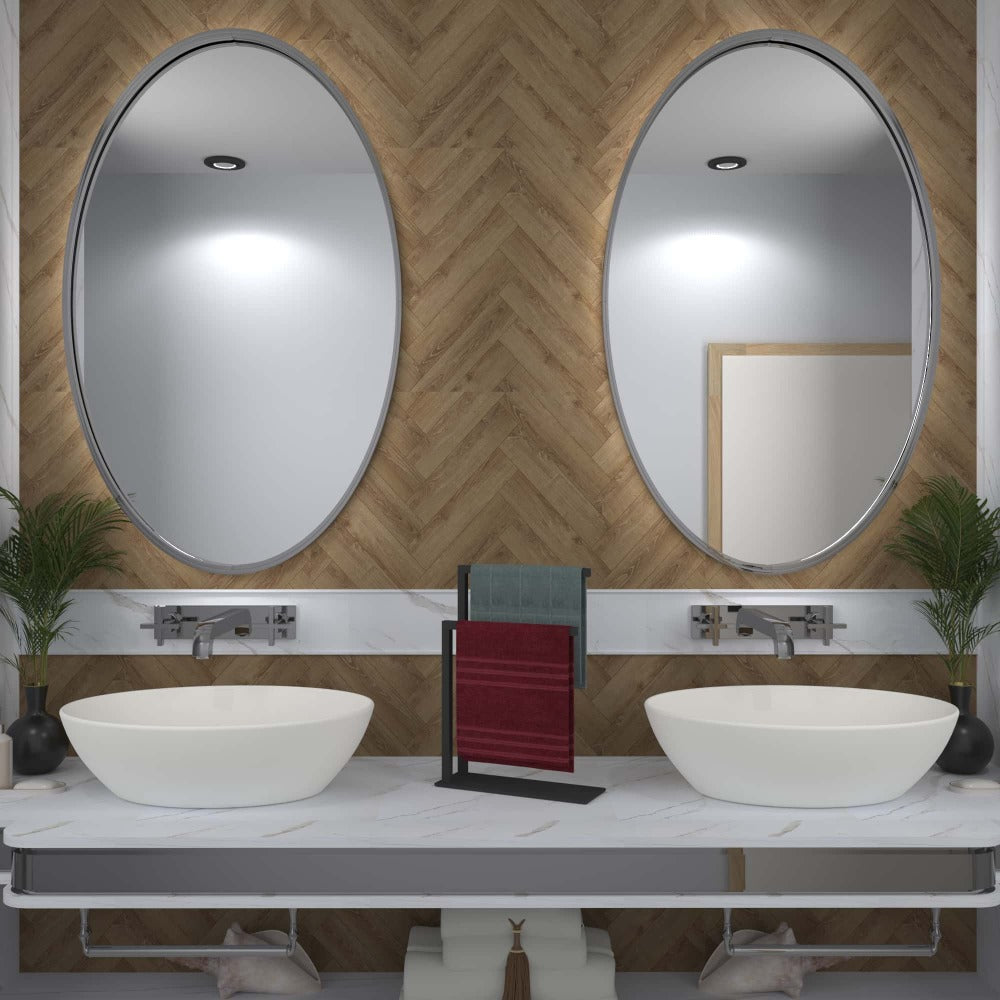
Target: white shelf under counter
[{"x": 629, "y": 986}]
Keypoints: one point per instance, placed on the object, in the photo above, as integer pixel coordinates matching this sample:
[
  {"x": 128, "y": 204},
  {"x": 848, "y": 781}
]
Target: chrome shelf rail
[
  {"x": 835, "y": 950},
  {"x": 186, "y": 951}
]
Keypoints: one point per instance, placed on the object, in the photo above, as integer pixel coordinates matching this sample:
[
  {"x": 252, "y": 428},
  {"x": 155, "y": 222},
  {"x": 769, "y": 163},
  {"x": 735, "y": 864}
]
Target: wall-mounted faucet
[
  {"x": 755, "y": 619},
  {"x": 236, "y": 620},
  {"x": 270, "y": 623},
  {"x": 781, "y": 623}
]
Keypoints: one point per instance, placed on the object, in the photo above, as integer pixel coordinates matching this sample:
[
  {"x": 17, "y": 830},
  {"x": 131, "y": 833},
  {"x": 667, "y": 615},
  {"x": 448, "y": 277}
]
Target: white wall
[
  {"x": 988, "y": 386},
  {"x": 806, "y": 444},
  {"x": 988, "y": 323},
  {"x": 702, "y": 259},
  {"x": 9, "y": 308},
  {"x": 921, "y": 303},
  {"x": 238, "y": 342}
]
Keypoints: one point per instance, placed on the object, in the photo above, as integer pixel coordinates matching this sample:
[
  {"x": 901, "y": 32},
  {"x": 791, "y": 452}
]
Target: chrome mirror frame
[
  {"x": 861, "y": 82},
  {"x": 158, "y": 66}
]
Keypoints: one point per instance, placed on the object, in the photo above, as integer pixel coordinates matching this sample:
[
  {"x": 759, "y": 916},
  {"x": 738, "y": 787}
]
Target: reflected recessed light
[
  {"x": 727, "y": 163},
  {"x": 225, "y": 162}
]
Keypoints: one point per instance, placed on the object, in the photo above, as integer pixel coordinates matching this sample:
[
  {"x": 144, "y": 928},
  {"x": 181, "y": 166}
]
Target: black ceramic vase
[
  {"x": 970, "y": 748},
  {"x": 40, "y": 742}
]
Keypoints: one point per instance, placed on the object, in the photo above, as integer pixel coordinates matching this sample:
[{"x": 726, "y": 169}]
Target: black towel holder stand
[{"x": 471, "y": 781}]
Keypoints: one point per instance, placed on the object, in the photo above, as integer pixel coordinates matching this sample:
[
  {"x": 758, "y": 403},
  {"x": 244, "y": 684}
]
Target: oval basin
[
  {"x": 217, "y": 747},
  {"x": 798, "y": 746}
]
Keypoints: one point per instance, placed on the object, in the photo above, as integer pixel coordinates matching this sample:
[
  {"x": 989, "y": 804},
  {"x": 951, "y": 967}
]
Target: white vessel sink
[
  {"x": 217, "y": 746},
  {"x": 786, "y": 745}
]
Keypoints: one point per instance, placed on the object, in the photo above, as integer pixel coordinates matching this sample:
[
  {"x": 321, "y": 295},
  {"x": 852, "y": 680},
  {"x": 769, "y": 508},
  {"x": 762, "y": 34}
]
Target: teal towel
[{"x": 534, "y": 595}]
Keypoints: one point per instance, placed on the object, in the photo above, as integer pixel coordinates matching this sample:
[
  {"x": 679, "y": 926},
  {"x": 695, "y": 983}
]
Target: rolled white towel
[
  {"x": 428, "y": 939},
  {"x": 424, "y": 939},
  {"x": 614, "y": 996},
  {"x": 598, "y": 942},
  {"x": 564, "y": 924},
  {"x": 482, "y": 952},
  {"x": 426, "y": 978}
]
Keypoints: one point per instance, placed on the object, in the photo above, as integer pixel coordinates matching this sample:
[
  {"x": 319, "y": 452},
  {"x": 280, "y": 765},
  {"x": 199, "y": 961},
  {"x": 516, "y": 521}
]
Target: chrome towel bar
[
  {"x": 186, "y": 951},
  {"x": 835, "y": 950}
]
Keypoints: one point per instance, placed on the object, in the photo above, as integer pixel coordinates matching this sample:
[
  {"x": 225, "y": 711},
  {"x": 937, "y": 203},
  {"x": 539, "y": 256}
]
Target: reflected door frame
[{"x": 716, "y": 355}]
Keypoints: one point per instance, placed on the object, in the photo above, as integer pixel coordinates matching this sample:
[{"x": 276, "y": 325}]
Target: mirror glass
[
  {"x": 770, "y": 302},
  {"x": 232, "y": 301}
]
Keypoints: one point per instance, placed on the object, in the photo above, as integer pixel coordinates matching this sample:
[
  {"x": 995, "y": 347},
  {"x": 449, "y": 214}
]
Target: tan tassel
[{"x": 517, "y": 979}]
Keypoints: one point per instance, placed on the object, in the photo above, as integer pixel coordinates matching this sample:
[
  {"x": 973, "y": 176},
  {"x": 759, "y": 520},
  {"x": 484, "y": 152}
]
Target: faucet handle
[
  {"x": 707, "y": 618},
  {"x": 819, "y": 623}
]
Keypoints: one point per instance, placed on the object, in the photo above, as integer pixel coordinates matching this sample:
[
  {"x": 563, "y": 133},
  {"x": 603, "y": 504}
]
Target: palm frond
[
  {"x": 952, "y": 538},
  {"x": 52, "y": 544}
]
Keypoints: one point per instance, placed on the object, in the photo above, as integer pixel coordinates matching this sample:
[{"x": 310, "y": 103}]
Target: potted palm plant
[
  {"x": 50, "y": 547},
  {"x": 952, "y": 538}
]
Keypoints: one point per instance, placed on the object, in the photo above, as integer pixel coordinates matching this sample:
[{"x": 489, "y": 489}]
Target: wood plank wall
[{"x": 502, "y": 127}]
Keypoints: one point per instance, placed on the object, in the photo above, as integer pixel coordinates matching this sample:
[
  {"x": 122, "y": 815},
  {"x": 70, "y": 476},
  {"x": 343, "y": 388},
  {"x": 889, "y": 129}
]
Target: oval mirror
[
  {"x": 771, "y": 301},
  {"x": 232, "y": 301}
]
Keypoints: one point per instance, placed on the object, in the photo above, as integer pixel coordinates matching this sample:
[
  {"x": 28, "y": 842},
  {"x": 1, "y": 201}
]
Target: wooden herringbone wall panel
[{"x": 502, "y": 127}]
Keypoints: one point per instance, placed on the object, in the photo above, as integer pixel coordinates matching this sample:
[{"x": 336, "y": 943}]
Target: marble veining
[
  {"x": 408, "y": 622},
  {"x": 392, "y": 802}
]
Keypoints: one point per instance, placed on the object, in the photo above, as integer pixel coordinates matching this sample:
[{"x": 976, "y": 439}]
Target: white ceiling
[
  {"x": 786, "y": 111},
  {"x": 241, "y": 100}
]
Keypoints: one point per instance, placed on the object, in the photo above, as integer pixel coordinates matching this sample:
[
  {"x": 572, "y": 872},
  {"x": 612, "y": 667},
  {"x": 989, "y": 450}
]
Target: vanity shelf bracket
[
  {"x": 835, "y": 950},
  {"x": 186, "y": 951},
  {"x": 807, "y": 621},
  {"x": 178, "y": 621}
]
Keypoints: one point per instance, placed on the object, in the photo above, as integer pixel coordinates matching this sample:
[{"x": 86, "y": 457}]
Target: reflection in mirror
[
  {"x": 770, "y": 302},
  {"x": 234, "y": 290}
]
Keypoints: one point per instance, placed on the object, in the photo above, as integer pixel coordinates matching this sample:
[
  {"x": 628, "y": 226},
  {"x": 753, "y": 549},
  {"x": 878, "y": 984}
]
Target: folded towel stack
[{"x": 465, "y": 959}]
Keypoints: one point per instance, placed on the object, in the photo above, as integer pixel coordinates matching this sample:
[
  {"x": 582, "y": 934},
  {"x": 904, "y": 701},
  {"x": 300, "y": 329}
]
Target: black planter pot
[
  {"x": 970, "y": 748},
  {"x": 40, "y": 742}
]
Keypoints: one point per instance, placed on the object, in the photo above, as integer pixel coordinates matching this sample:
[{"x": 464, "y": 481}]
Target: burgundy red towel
[{"x": 514, "y": 694}]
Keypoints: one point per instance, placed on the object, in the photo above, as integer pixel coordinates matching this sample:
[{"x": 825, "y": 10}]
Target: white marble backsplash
[
  {"x": 9, "y": 305},
  {"x": 988, "y": 322},
  {"x": 401, "y": 622},
  {"x": 988, "y": 381}
]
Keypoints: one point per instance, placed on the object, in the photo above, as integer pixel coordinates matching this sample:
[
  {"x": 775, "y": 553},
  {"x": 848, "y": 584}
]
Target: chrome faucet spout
[
  {"x": 236, "y": 620},
  {"x": 779, "y": 630}
]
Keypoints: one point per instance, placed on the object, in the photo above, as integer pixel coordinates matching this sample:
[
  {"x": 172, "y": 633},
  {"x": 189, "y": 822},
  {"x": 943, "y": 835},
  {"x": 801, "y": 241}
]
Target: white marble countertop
[{"x": 392, "y": 802}]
